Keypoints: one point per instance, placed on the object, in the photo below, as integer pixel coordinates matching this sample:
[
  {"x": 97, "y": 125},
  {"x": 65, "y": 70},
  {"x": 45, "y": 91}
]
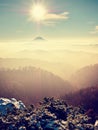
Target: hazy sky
[
  {"x": 66, "y": 19},
  {"x": 66, "y": 22}
]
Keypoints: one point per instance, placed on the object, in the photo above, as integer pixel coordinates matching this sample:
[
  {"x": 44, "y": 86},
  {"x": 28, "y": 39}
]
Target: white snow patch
[{"x": 7, "y": 105}]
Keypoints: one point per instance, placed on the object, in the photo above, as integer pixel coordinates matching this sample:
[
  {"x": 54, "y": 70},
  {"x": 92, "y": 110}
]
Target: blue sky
[{"x": 79, "y": 20}]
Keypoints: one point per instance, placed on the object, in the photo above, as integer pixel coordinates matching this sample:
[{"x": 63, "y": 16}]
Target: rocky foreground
[{"x": 50, "y": 114}]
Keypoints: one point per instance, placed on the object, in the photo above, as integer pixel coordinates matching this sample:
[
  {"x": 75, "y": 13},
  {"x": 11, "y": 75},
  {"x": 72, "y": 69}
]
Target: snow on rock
[{"x": 9, "y": 105}]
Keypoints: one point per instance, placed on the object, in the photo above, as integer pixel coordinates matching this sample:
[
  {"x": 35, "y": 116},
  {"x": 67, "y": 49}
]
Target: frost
[
  {"x": 9, "y": 105},
  {"x": 51, "y": 114}
]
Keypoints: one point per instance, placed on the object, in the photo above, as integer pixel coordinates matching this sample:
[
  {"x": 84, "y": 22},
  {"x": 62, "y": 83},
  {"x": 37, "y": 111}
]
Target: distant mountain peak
[{"x": 39, "y": 38}]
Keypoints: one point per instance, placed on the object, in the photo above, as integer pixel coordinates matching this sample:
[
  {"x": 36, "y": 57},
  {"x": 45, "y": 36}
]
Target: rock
[
  {"x": 47, "y": 116},
  {"x": 96, "y": 125},
  {"x": 22, "y": 128},
  {"x": 9, "y": 105}
]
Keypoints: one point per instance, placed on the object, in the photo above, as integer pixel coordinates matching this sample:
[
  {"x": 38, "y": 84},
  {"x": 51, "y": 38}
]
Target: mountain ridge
[{"x": 30, "y": 84}]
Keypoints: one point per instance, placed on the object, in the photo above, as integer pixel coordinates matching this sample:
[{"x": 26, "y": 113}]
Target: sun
[{"x": 38, "y": 12}]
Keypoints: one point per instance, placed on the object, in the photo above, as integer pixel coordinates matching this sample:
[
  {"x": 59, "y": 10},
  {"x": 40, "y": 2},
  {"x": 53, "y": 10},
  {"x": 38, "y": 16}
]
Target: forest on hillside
[{"x": 30, "y": 84}]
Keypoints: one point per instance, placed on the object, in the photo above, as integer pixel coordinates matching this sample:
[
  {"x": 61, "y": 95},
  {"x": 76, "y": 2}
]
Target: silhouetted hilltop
[
  {"x": 86, "y": 77},
  {"x": 30, "y": 84},
  {"x": 59, "y": 68},
  {"x": 39, "y": 38}
]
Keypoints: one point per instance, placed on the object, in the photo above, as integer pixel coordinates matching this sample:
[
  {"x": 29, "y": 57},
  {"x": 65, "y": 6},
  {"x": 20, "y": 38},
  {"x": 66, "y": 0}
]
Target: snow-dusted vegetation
[{"x": 50, "y": 114}]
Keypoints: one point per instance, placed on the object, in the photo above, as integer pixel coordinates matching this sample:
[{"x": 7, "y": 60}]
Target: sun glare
[{"x": 38, "y": 12}]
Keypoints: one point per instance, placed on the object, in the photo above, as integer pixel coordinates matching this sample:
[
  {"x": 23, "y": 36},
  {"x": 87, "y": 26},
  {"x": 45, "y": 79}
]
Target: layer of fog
[{"x": 60, "y": 58}]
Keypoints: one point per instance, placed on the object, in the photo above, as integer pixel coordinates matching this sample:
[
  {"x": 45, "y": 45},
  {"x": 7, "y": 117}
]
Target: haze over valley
[
  {"x": 49, "y": 61},
  {"x": 60, "y": 58}
]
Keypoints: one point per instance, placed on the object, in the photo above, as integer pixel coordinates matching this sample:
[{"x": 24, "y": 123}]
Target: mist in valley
[
  {"x": 31, "y": 73},
  {"x": 48, "y": 64},
  {"x": 60, "y": 58}
]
